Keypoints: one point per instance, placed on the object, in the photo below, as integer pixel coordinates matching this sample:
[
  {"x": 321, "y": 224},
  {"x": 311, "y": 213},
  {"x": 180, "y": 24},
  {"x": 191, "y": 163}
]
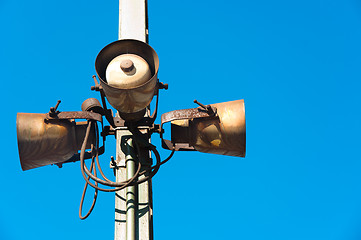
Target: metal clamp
[
  {"x": 200, "y": 112},
  {"x": 75, "y": 115}
]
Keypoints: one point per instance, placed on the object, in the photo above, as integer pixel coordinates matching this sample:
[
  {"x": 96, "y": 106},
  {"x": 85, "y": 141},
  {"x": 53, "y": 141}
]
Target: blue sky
[{"x": 296, "y": 64}]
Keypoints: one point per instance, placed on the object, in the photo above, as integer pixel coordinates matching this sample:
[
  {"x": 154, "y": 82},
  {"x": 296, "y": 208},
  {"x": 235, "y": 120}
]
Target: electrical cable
[
  {"x": 85, "y": 171},
  {"x": 140, "y": 140},
  {"x": 84, "y": 192},
  {"x": 97, "y": 155},
  {"x": 129, "y": 182},
  {"x": 87, "y": 175}
]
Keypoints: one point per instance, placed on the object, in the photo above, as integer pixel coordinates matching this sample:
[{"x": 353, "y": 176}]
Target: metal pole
[
  {"x": 133, "y": 24},
  {"x": 143, "y": 223},
  {"x": 120, "y": 228},
  {"x": 133, "y": 20},
  {"x": 131, "y": 194}
]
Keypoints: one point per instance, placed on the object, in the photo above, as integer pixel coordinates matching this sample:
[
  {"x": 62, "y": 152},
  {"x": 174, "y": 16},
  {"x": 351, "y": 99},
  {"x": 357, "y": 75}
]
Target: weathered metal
[
  {"x": 75, "y": 115},
  {"x": 53, "y": 110},
  {"x": 127, "y": 65},
  {"x": 127, "y": 70},
  {"x": 131, "y": 99},
  {"x": 42, "y": 142},
  {"x": 92, "y": 104},
  {"x": 223, "y": 133},
  {"x": 184, "y": 114},
  {"x": 208, "y": 108}
]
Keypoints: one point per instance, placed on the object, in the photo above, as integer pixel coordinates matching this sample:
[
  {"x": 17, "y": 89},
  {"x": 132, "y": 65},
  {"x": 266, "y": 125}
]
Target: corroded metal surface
[
  {"x": 184, "y": 114},
  {"x": 180, "y": 116},
  {"x": 75, "y": 115},
  {"x": 223, "y": 133},
  {"x": 92, "y": 104},
  {"x": 132, "y": 99},
  {"x": 43, "y": 142}
]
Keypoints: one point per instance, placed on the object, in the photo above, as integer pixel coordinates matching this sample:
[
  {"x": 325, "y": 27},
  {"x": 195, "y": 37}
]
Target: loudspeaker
[
  {"x": 223, "y": 131},
  {"x": 128, "y": 70},
  {"x": 43, "y": 142}
]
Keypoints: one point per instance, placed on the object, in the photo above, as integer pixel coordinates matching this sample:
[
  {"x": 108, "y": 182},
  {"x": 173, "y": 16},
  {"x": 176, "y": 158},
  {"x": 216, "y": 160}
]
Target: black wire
[
  {"x": 139, "y": 140},
  {"x": 123, "y": 184},
  {"x": 85, "y": 170}
]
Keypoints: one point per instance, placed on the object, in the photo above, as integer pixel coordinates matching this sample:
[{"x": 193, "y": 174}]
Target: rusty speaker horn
[
  {"x": 216, "y": 128},
  {"x": 43, "y": 141},
  {"x": 128, "y": 70}
]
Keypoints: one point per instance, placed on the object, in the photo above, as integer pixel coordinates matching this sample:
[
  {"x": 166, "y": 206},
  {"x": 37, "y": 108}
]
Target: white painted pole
[
  {"x": 132, "y": 25},
  {"x": 120, "y": 227},
  {"x": 133, "y": 20}
]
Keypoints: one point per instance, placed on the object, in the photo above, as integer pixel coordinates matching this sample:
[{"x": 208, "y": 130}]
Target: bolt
[
  {"x": 113, "y": 161},
  {"x": 163, "y": 85},
  {"x": 127, "y": 65},
  {"x": 208, "y": 108},
  {"x": 53, "y": 109},
  {"x": 200, "y": 104},
  {"x": 95, "y": 80}
]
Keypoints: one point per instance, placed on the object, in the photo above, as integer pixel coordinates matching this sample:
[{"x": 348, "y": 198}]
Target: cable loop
[{"x": 140, "y": 142}]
